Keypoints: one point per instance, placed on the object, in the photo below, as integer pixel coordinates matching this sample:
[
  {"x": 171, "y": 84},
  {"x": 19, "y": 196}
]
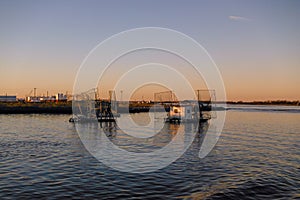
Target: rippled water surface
[{"x": 256, "y": 157}]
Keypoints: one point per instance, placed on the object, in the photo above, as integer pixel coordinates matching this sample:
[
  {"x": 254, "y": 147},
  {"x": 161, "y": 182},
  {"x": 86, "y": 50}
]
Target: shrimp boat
[
  {"x": 88, "y": 108},
  {"x": 199, "y": 110},
  {"x": 182, "y": 113}
]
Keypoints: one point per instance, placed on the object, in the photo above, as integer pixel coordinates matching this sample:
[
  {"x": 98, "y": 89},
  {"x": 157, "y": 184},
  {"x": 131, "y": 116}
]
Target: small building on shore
[
  {"x": 61, "y": 97},
  {"x": 57, "y": 97},
  {"x": 8, "y": 98},
  {"x": 38, "y": 99}
]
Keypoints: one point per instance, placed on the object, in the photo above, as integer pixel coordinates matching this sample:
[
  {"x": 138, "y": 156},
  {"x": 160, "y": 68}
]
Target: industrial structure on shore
[
  {"x": 8, "y": 98},
  {"x": 53, "y": 98},
  {"x": 46, "y": 98},
  {"x": 58, "y": 97}
]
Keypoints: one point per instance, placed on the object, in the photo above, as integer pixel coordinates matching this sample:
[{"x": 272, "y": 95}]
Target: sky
[{"x": 255, "y": 44}]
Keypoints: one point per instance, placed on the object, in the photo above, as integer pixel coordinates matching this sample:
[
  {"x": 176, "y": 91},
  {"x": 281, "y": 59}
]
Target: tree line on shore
[{"x": 274, "y": 102}]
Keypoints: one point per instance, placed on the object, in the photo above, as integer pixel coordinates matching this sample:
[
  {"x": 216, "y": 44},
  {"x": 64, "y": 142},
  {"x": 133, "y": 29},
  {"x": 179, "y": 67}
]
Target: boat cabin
[{"x": 182, "y": 113}]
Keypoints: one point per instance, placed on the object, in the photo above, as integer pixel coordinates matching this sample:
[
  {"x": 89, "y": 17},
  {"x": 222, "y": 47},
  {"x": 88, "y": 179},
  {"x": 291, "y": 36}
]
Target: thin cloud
[{"x": 239, "y": 18}]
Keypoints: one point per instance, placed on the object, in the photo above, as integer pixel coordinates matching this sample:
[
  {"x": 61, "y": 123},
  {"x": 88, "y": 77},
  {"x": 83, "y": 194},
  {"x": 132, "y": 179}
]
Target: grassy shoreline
[
  {"x": 36, "y": 108},
  {"x": 66, "y": 107}
]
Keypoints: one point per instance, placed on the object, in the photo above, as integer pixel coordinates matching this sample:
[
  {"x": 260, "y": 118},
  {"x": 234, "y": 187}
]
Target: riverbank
[
  {"x": 59, "y": 108},
  {"x": 272, "y": 103},
  {"x": 134, "y": 107},
  {"x": 36, "y": 108}
]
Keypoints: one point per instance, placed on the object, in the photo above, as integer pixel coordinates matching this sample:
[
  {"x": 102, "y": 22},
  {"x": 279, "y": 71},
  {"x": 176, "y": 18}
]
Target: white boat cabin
[{"x": 182, "y": 113}]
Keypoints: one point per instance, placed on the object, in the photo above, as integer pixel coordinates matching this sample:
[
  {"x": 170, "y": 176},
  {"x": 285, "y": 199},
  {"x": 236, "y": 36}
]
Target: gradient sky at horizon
[{"x": 255, "y": 44}]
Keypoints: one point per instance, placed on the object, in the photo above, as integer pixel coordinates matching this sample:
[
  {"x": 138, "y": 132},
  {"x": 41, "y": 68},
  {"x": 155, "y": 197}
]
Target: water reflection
[
  {"x": 115, "y": 148},
  {"x": 257, "y": 157},
  {"x": 133, "y": 144},
  {"x": 109, "y": 128}
]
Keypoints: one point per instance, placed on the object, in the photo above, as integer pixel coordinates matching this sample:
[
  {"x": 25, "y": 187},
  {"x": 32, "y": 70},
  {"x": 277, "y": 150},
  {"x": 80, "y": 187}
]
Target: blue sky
[{"x": 255, "y": 44}]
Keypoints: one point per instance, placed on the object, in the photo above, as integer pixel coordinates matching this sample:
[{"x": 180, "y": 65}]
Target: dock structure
[
  {"x": 187, "y": 110},
  {"x": 103, "y": 111},
  {"x": 88, "y": 108}
]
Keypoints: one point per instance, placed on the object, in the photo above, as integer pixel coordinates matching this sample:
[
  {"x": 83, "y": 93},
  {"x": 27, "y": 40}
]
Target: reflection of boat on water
[
  {"x": 185, "y": 133},
  {"x": 80, "y": 118}
]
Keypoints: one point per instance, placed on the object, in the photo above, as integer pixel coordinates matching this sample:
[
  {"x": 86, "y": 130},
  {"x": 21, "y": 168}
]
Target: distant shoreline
[
  {"x": 271, "y": 103},
  {"x": 66, "y": 107},
  {"x": 36, "y": 108}
]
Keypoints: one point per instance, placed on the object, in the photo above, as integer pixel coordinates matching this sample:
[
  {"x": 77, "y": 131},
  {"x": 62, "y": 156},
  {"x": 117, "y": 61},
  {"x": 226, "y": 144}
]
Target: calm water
[{"x": 256, "y": 157}]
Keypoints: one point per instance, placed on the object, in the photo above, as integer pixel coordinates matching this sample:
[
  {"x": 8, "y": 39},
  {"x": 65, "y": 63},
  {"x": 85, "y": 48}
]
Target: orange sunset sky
[{"x": 255, "y": 44}]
